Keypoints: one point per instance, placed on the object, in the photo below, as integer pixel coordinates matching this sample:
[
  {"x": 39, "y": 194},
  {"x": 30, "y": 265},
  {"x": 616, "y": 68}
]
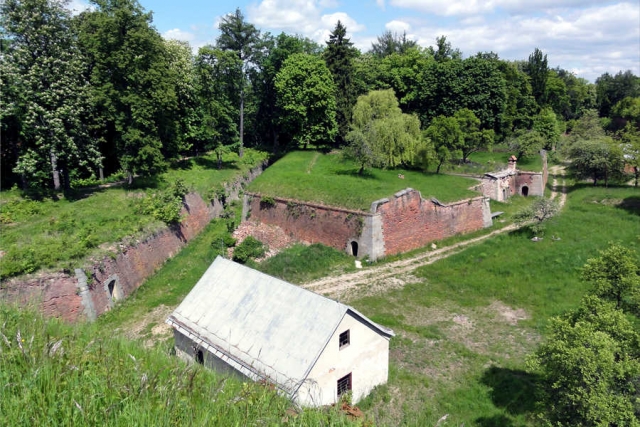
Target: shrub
[{"x": 249, "y": 248}]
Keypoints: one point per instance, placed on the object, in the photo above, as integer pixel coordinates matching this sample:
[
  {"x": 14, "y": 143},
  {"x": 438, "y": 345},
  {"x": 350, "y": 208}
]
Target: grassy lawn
[
  {"x": 52, "y": 233},
  {"x": 328, "y": 179},
  {"x": 484, "y": 161},
  {"x": 459, "y": 349}
]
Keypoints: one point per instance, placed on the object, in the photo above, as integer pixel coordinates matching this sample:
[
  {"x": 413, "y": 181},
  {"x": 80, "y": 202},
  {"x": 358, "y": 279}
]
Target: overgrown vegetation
[
  {"x": 330, "y": 180},
  {"x": 57, "y": 233},
  {"x": 300, "y": 263},
  {"x": 250, "y": 248},
  {"x": 55, "y": 374}
]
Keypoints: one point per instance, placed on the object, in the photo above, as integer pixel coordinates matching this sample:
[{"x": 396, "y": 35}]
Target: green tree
[
  {"x": 131, "y": 85},
  {"x": 590, "y": 368},
  {"x": 615, "y": 275},
  {"x": 218, "y": 73},
  {"x": 276, "y": 51},
  {"x": 444, "y": 51},
  {"x": 241, "y": 37},
  {"x": 473, "y": 138},
  {"x": 537, "y": 215},
  {"x": 597, "y": 160},
  {"x": 381, "y": 135},
  {"x": 305, "y": 95},
  {"x": 546, "y": 124},
  {"x": 526, "y": 143},
  {"x": 556, "y": 96},
  {"x": 612, "y": 89},
  {"x": 389, "y": 43},
  {"x": 447, "y": 139},
  {"x": 339, "y": 56},
  {"x": 538, "y": 71},
  {"x": 45, "y": 95},
  {"x": 630, "y": 141}
]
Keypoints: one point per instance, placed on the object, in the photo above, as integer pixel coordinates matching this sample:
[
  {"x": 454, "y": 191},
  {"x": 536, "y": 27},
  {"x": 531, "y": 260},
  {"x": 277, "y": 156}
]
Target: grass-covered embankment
[
  {"x": 330, "y": 180},
  {"x": 465, "y": 328},
  {"x": 61, "y": 375},
  {"x": 55, "y": 233}
]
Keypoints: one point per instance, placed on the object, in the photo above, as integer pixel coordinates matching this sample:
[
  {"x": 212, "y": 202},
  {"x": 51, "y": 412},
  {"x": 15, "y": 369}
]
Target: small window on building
[
  {"x": 344, "y": 385},
  {"x": 344, "y": 339}
]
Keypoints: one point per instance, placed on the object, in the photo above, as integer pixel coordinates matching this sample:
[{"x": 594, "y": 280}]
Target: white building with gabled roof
[{"x": 313, "y": 349}]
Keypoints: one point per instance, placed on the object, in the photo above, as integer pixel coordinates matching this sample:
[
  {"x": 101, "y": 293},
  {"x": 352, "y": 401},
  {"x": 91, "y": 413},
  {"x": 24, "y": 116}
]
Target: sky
[{"x": 586, "y": 37}]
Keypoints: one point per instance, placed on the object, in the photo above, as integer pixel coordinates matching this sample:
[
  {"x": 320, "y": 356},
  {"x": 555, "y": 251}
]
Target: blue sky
[{"x": 587, "y": 37}]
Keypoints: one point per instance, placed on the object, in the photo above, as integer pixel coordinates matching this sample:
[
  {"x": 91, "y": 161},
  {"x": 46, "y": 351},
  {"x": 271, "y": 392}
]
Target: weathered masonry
[
  {"x": 241, "y": 321},
  {"x": 504, "y": 184},
  {"x": 398, "y": 224},
  {"x": 75, "y": 297}
]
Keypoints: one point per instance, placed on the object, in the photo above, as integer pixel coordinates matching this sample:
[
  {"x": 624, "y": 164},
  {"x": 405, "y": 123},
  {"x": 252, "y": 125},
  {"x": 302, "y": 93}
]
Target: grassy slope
[
  {"x": 484, "y": 161},
  {"x": 327, "y": 179},
  {"x": 476, "y": 372},
  {"x": 53, "y": 374},
  {"x": 48, "y": 233}
]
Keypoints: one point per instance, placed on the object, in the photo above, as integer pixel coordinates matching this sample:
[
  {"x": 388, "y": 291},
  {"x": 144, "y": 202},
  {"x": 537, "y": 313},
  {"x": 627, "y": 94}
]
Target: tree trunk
[
  {"x": 637, "y": 173},
  {"x": 241, "y": 149},
  {"x": 438, "y": 168},
  {"x": 101, "y": 172},
  {"x": 129, "y": 178},
  {"x": 54, "y": 170}
]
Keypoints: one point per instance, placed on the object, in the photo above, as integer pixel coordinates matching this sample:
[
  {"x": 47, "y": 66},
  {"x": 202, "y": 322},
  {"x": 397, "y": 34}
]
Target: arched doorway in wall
[
  {"x": 354, "y": 248},
  {"x": 200, "y": 357},
  {"x": 525, "y": 191}
]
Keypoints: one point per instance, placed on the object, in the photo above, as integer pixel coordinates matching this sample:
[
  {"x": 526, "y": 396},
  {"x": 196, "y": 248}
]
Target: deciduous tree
[
  {"x": 381, "y": 135},
  {"x": 241, "y": 37},
  {"x": 590, "y": 368},
  {"x": 447, "y": 139},
  {"x": 306, "y": 97},
  {"x": 615, "y": 275},
  {"x": 597, "y": 160},
  {"x": 44, "y": 94}
]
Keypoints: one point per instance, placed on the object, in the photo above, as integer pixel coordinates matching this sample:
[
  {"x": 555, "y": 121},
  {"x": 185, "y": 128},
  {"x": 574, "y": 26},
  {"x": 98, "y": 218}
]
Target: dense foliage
[{"x": 100, "y": 93}]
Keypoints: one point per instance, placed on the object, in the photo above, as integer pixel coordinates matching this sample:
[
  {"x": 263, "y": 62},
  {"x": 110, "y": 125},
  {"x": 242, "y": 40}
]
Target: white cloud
[
  {"x": 303, "y": 17},
  {"x": 473, "y": 7},
  {"x": 78, "y": 6},
  {"x": 178, "y": 34},
  {"x": 396, "y": 26},
  {"x": 592, "y": 40}
]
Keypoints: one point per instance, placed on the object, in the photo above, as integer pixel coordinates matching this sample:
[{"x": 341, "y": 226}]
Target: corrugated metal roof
[{"x": 268, "y": 327}]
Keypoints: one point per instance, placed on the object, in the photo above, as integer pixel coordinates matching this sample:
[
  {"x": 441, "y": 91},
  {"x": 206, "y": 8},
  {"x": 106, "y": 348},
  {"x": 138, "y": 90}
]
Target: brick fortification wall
[
  {"x": 67, "y": 296},
  {"x": 410, "y": 222},
  {"x": 405, "y": 222},
  {"x": 307, "y": 222}
]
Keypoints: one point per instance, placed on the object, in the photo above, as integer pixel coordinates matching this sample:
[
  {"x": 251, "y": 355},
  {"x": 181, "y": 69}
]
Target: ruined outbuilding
[
  {"x": 503, "y": 184},
  {"x": 313, "y": 349}
]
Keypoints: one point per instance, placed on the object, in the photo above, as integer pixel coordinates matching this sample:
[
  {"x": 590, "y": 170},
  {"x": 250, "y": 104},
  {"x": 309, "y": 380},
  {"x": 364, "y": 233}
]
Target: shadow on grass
[
  {"x": 631, "y": 204},
  {"x": 513, "y": 390},
  {"x": 495, "y": 421},
  {"x": 366, "y": 174}
]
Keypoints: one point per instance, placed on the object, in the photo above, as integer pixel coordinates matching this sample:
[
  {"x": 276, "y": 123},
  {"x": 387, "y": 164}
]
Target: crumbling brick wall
[
  {"x": 58, "y": 294},
  {"x": 308, "y": 222},
  {"x": 410, "y": 222}
]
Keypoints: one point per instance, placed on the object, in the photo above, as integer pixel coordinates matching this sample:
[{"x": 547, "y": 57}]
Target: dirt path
[{"x": 397, "y": 274}]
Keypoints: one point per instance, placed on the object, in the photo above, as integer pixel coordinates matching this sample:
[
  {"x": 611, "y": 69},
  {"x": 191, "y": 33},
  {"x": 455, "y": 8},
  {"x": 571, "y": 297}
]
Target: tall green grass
[
  {"x": 57, "y": 233},
  {"x": 60, "y": 375},
  {"x": 478, "y": 376},
  {"x": 329, "y": 179},
  {"x": 300, "y": 263}
]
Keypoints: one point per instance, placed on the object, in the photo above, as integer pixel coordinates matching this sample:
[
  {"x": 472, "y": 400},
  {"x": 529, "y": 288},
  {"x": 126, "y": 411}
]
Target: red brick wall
[
  {"x": 57, "y": 294},
  {"x": 410, "y": 222},
  {"x": 309, "y": 223}
]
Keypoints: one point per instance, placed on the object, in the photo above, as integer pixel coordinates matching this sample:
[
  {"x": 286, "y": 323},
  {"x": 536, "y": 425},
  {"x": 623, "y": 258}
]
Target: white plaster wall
[{"x": 366, "y": 358}]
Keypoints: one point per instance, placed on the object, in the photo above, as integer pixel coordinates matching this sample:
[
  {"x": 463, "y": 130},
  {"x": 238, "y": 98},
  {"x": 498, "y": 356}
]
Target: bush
[{"x": 249, "y": 248}]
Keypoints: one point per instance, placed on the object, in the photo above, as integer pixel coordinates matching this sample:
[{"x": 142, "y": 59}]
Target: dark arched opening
[
  {"x": 111, "y": 287},
  {"x": 525, "y": 191},
  {"x": 200, "y": 357},
  {"x": 354, "y": 248}
]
